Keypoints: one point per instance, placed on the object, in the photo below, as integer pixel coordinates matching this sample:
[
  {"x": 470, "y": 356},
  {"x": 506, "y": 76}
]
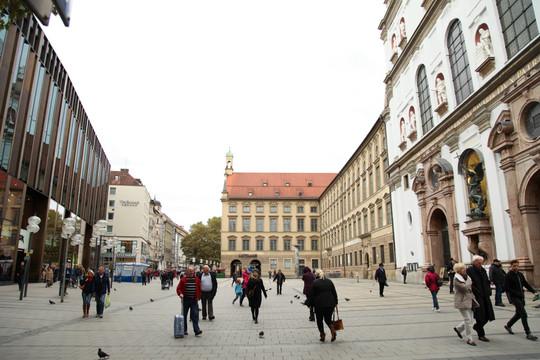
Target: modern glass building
[{"x": 51, "y": 162}]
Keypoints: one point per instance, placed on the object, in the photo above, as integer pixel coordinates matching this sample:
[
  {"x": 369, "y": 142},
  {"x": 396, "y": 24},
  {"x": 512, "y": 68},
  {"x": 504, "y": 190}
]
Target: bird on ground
[
  {"x": 102, "y": 354},
  {"x": 347, "y": 299},
  {"x": 291, "y": 301},
  {"x": 261, "y": 334},
  {"x": 131, "y": 308},
  {"x": 114, "y": 289},
  {"x": 151, "y": 300},
  {"x": 51, "y": 302}
]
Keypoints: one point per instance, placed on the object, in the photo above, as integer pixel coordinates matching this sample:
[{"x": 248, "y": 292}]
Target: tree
[
  {"x": 17, "y": 11},
  {"x": 203, "y": 241}
]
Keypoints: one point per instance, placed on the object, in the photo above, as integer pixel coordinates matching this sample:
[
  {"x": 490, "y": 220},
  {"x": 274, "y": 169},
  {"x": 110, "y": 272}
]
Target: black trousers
[
  {"x": 324, "y": 314},
  {"x": 521, "y": 313},
  {"x": 381, "y": 288},
  {"x": 279, "y": 287},
  {"x": 479, "y": 327}
]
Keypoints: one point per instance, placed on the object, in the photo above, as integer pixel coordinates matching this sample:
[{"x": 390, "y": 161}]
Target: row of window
[
  {"x": 357, "y": 258},
  {"x": 285, "y": 245},
  {"x": 288, "y": 263},
  {"x": 246, "y": 209},
  {"x": 259, "y": 224}
]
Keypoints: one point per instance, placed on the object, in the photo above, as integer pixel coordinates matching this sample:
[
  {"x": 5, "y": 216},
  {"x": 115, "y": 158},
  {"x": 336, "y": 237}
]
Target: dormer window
[
  {"x": 250, "y": 193},
  {"x": 276, "y": 193},
  {"x": 309, "y": 184},
  {"x": 287, "y": 184},
  {"x": 265, "y": 184}
]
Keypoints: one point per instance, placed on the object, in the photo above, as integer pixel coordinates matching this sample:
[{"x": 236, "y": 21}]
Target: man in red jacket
[{"x": 189, "y": 290}]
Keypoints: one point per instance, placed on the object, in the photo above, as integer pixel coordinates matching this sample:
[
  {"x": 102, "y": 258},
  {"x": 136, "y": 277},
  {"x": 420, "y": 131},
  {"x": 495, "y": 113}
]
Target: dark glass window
[
  {"x": 459, "y": 63},
  {"x": 425, "y": 104},
  {"x": 532, "y": 120},
  {"x": 518, "y": 24}
]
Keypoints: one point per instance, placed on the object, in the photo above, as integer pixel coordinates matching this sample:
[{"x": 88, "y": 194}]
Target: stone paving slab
[{"x": 400, "y": 325}]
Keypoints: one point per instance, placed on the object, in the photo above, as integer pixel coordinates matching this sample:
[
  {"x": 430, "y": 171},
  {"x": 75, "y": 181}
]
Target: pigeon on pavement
[
  {"x": 102, "y": 354},
  {"x": 151, "y": 300},
  {"x": 131, "y": 308},
  {"x": 347, "y": 299},
  {"x": 51, "y": 302},
  {"x": 261, "y": 334}
]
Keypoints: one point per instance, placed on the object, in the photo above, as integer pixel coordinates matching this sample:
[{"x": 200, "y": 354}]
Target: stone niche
[
  {"x": 485, "y": 57},
  {"x": 442, "y": 98}
]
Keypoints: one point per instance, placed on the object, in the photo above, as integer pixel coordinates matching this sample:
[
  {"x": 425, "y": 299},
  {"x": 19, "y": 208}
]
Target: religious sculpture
[
  {"x": 402, "y": 29},
  {"x": 484, "y": 43},
  {"x": 394, "y": 44},
  {"x": 402, "y": 130},
  {"x": 440, "y": 88},
  {"x": 476, "y": 195},
  {"x": 412, "y": 119}
]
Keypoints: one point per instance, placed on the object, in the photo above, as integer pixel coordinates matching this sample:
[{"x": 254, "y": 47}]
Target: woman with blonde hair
[
  {"x": 463, "y": 301},
  {"x": 323, "y": 297}
]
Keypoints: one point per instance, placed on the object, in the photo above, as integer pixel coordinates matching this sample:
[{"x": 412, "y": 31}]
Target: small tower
[{"x": 229, "y": 163}]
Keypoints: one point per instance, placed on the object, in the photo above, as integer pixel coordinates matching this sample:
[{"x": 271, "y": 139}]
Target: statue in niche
[
  {"x": 484, "y": 45},
  {"x": 394, "y": 44},
  {"x": 440, "y": 88},
  {"x": 412, "y": 119},
  {"x": 402, "y": 29},
  {"x": 402, "y": 129},
  {"x": 476, "y": 195}
]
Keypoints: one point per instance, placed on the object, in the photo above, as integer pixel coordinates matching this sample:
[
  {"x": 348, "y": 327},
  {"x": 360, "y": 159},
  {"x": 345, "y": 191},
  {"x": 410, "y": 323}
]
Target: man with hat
[
  {"x": 496, "y": 277},
  {"x": 380, "y": 276}
]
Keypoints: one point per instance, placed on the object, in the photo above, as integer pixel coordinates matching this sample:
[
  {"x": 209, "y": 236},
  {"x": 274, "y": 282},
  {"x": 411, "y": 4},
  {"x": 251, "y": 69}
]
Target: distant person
[
  {"x": 513, "y": 285},
  {"x": 463, "y": 301},
  {"x": 497, "y": 277},
  {"x": 208, "y": 292},
  {"x": 20, "y": 275},
  {"x": 245, "y": 279},
  {"x": 255, "y": 289},
  {"x": 380, "y": 277},
  {"x": 101, "y": 287},
  {"x": 431, "y": 283},
  {"x": 482, "y": 291},
  {"x": 279, "y": 279},
  {"x": 404, "y": 273},
  {"x": 308, "y": 279},
  {"x": 323, "y": 297},
  {"x": 143, "y": 277},
  {"x": 189, "y": 290},
  {"x": 451, "y": 274},
  {"x": 49, "y": 276},
  {"x": 234, "y": 277},
  {"x": 269, "y": 274}
]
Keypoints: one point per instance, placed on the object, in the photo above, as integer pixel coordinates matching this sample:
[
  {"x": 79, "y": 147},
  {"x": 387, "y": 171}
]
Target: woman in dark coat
[
  {"x": 308, "y": 279},
  {"x": 86, "y": 283},
  {"x": 255, "y": 289},
  {"x": 481, "y": 288},
  {"x": 323, "y": 297}
]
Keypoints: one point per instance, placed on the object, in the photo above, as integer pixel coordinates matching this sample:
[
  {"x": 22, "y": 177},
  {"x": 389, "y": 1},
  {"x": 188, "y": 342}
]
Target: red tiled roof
[
  {"x": 124, "y": 178},
  {"x": 300, "y": 185}
]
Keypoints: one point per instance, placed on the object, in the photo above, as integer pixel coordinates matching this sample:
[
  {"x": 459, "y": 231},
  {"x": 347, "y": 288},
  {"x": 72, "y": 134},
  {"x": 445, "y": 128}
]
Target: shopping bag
[
  {"x": 107, "y": 301},
  {"x": 337, "y": 323}
]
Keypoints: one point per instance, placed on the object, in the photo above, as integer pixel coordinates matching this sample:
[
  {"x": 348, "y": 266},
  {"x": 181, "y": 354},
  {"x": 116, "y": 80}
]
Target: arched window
[
  {"x": 459, "y": 63},
  {"x": 426, "y": 114},
  {"x": 518, "y": 24}
]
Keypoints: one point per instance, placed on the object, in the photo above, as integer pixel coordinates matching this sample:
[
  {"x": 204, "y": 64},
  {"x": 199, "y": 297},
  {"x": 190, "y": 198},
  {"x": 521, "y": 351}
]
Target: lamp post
[
  {"x": 33, "y": 227},
  {"x": 98, "y": 230},
  {"x": 68, "y": 228},
  {"x": 296, "y": 261}
]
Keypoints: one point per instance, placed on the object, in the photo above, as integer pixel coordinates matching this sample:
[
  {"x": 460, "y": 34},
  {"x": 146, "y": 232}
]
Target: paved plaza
[{"x": 400, "y": 325}]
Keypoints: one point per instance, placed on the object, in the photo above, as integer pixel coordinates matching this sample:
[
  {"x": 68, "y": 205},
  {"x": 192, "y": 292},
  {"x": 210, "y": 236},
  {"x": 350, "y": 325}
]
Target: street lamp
[
  {"x": 32, "y": 228},
  {"x": 68, "y": 228},
  {"x": 98, "y": 230}
]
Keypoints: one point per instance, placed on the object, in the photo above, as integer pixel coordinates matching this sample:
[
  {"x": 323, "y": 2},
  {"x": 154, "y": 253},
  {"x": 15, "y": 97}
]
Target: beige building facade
[
  {"x": 271, "y": 221},
  {"x": 356, "y": 213}
]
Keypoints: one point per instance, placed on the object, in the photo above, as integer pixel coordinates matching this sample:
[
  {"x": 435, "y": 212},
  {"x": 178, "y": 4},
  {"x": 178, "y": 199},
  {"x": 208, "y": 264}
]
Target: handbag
[
  {"x": 439, "y": 282},
  {"x": 475, "y": 304},
  {"x": 107, "y": 301},
  {"x": 337, "y": 324},
  {"x": 251, "y": 292}
]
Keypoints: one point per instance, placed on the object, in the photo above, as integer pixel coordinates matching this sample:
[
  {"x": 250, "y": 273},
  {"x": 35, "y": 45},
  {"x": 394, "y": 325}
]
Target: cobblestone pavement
[{"x": 400, "y": 325}]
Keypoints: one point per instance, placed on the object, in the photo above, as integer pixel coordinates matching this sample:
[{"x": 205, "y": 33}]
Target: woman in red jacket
[{"x": 431, "y": 283}]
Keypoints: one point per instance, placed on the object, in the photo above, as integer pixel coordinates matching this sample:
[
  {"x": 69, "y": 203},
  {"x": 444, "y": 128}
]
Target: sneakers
[
  {"x": 531, "y": 337},
  {"x": 509, "y": 329},
  {"x": 436, "y": 310},
  {"x": 458, "y": 333}
]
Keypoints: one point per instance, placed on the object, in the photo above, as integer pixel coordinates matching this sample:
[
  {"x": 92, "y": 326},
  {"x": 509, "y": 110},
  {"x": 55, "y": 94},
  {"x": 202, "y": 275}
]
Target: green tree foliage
[
  {"x": 17, "y": 11},
  {"x": 203, "y": 241}
]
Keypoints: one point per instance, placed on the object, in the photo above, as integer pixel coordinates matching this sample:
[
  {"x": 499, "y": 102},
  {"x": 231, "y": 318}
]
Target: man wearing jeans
[
  {"x": 513, "y": 285},
  {"x": 101, "y": 287},
  {"x": 189, "y": 290},
  {"x": 208, "y": 291}
]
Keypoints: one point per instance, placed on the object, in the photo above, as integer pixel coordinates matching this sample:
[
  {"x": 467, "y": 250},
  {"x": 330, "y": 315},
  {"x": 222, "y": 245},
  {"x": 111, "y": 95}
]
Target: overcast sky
[{"x": 171, "y": 85}]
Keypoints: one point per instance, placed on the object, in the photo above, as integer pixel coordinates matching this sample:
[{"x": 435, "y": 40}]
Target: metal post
[
  {"x": 98, "y": 252},
  {"x": 27, "y": 265},
  {"x": 63, "y": 275},
  {"x": 296, "y": 261}
]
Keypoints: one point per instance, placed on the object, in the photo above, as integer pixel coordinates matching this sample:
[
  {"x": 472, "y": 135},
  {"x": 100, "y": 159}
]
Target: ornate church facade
[{"x": 462, "y": 115}]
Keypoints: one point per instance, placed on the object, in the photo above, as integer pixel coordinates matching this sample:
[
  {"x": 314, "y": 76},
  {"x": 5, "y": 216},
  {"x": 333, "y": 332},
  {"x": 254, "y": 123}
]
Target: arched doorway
[
  {"x": 236, "y": 267},
  {"x": 256, "y": 264},
  {"x": 530, "y": 210},
  {"x": 439, "y": 240}
]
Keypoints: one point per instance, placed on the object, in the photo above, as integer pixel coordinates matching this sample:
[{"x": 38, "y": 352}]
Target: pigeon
[
  {"x": 291, "y": 301},
  {"x": 131, "y": 308},
  {"x": 51, "y": 302},
  {"x": 114, "y": 289},
  {"x": 152, "y": 300},
  {"x": 102, "y": 354},
  {"x": 261, "y": 334},
  {"x": 347, "y": 299}
]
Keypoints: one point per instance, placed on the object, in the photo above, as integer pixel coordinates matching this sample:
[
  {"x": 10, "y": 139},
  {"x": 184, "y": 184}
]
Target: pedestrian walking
[
  {"x": 208, "y": 292},
  {"x": 513, "y": 285},
  {"x": 380, "y": 277},
  {"x": 20, "y": 275},
  {"x": 482, "y": 291},
  {"x": 49, "y": 276},
  {"x": 404, "y": 273},
  {"x": 234, "y": 277},
  {"x": 431, "y": 283},
  {"x": 237, "y": 290},
  {"x": 497, "y": 277},
  {"x": 451, "y": 274},
  {"x": 189, "y": 290},
  {"x": 245, "y": 279},
  {"x": 323, "y": 297},
  {"x": 143, "y": 277},
  {"x": 269, "y": 274},
  {"x": 255, "y": 289},
  {"x": 308, "y": 279},
  {"x": 86, "y": 287},
  {"x": 463, "y": 301},
  {"x": 101, "y": 287},
  {"x": 279, "y": 279}
]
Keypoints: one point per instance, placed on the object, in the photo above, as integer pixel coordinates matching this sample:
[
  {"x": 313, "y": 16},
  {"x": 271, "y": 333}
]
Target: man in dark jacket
[
  {"x": 308, "y": 278},
  {"x": 279, "y": 279},
  {"x": 101, "y": 286},
  {"x": 513, "y": 285},
  {"x": 451, "y": 274},
  {"x": 208, "y": 291},
  {"x": 496, "y": 276},
  {"x": 482, "y": 291},
  {"x": 380, "y": 276}
]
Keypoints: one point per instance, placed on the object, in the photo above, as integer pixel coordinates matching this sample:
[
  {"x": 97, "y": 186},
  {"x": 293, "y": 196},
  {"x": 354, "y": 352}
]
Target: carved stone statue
[
  {"x": 412, "y": 120},
  {"x": 402, "y": 130},
  {"x": 484, "y": 42},
  {"x": 477, "y": 197},
  {"x": 402, "y": 29},
  {"x": 394, "y": 44},
  {"x": 440, "y": 88}
]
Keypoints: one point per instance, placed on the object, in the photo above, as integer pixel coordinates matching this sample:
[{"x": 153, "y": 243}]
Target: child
[{"x": 237, "y": 289}]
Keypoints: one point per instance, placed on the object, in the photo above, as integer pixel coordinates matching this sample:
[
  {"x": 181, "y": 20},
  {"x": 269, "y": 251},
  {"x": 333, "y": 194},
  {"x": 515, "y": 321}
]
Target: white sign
[{"x": 23, "y": 240}]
